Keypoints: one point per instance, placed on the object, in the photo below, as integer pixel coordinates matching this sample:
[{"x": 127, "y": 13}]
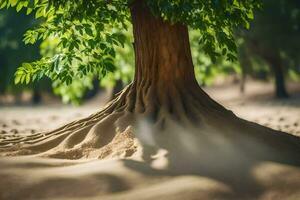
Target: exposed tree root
[
  {"x": 182, "y": 121},
  {"x": 110, "y": 131},
  {"x": 94, "y": 136}
]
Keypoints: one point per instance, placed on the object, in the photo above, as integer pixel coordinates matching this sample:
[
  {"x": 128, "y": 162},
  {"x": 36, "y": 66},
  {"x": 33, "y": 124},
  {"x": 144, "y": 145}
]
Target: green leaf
[
  {"x": 27, "y": 78},
  {"x": 29, "y": 10},
  {"x": 2, "y": 4},
  {"x": 89, "y": 31},
  {"x": 17, "y": 78},
  {"x": 20, "y": 6},
  {"x": 39, "y": 13},
  {"x": 110, "y": 67},
  {"x": 27, "y": 66},
  {"x": 13, "y": 2}
]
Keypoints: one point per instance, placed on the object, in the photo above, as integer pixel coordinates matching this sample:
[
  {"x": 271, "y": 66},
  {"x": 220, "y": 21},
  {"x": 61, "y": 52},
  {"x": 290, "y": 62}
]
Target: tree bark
[
  {"x": 164, "y": 69},
  {"x": 162, "y": 50}
]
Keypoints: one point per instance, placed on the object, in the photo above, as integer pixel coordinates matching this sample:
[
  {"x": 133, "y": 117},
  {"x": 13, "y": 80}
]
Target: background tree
[
  {"x": 12, "y": 50},
  {"x": 164, "y": 93},
  {"x": 281, "y": 20}
]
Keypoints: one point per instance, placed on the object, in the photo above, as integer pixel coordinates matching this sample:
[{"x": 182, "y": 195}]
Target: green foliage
[
  {"x": 89, "y": 31},
  {"x": 12, "y": 50},
  {"x": 75, "y": 91},
  {"x": 86, "y": 45},
  {"x": 124, "y": 60},
  {"x": 206, "y": 69},
  {"x": 216, "y": 21}
]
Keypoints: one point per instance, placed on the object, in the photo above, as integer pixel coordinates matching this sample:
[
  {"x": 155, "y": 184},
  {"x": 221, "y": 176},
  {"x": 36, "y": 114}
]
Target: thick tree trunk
[
  {"x": 164, "y": 67},
  {"x": 162, "y": 50}
]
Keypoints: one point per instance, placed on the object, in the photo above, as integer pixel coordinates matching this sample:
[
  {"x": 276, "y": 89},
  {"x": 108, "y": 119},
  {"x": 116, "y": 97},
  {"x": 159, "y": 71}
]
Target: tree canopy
[{"x": 89, "y": 31}]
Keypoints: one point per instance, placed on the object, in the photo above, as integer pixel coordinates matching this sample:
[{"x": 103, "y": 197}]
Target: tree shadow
[
  {"x": 61, "y": 187},
  {"x": 229, "y": 156}
]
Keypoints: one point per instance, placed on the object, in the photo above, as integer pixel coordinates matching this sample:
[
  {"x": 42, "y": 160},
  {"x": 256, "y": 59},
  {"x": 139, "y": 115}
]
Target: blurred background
[{"x": 262, "y": 85}]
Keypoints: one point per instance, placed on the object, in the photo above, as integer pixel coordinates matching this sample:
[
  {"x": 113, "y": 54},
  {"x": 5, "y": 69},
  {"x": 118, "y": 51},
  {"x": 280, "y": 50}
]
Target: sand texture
[{"x": 203, "y": 173}]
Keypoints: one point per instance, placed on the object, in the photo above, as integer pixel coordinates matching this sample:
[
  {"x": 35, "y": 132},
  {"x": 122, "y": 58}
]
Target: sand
[
  {"x": 30, "y": 177},
  {"x": 23, "y": 178}
]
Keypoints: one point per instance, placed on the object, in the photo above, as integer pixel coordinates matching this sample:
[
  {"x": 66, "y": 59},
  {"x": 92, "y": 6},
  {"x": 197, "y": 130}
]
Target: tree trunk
[
  {"x": 245, "y": 66},
  {"x": 117, "y": 88},
  {"x": 164, "y": 69},
  {"x": 92, "y": 93},
  {"x": 272, "y": 57},
  {"x": 276, "y": 66},
  {"x": 36, "y": 96},
  {"x": 163, "y": 107}
]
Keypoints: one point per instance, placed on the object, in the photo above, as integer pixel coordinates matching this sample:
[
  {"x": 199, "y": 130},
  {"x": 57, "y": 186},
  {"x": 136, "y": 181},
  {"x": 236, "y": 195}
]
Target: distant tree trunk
[
  {"x": 117, "y": 88},
  {"x": 3, "y": 74},
  {"x": 243, "y": 80},
  {"x": 275, "y": 64},
  {"x": 245, "y": 66},
  {"x": 92, "y": 93},
  {"x": 272, "y": 57},
  {"x": 36, "y": 96}
]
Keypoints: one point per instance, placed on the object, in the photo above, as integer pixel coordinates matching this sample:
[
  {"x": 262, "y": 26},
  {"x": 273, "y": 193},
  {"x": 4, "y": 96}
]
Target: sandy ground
[{"x": 42, "y": 178}]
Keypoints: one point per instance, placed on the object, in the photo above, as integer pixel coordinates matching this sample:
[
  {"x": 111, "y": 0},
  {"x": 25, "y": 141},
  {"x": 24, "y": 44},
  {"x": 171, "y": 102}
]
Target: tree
[
  {"x": 281, "y": 20},
  {"x": 164, "y": 94}
]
